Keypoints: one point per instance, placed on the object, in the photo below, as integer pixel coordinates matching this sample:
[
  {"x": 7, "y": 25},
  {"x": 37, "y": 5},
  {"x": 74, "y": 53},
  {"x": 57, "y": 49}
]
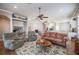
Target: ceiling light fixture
[
  {"x": 61, "y": 10},
  {"x": 15, "y": 7}
]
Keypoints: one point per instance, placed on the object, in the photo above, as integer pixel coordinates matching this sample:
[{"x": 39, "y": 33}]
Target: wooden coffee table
[
  {"x": 43, "y": 42},
  {"x": 43, "y": 45}
]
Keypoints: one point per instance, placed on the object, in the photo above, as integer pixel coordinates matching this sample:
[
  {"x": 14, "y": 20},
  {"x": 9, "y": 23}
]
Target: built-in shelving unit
[
  {"x": 16, "y": 19},
  {"x": 73, "y": 27},
  {"x": 19, "y": 23}
]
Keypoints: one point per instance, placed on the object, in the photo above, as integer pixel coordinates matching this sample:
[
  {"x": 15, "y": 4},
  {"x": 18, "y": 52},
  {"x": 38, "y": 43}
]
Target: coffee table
[{"x": 43, "y": 42}]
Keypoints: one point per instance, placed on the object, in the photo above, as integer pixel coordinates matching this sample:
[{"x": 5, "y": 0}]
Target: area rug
[{"x": 30, "y": 48}]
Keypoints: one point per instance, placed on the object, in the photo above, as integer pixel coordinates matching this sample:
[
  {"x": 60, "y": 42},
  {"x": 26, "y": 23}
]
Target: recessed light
[
  {"x": 15, "y": 7},
  {"x": 61, "y": 10}
]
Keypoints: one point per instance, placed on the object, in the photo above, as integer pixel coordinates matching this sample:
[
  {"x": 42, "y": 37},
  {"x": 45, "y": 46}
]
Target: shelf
[{"x": 16, "y": 19}]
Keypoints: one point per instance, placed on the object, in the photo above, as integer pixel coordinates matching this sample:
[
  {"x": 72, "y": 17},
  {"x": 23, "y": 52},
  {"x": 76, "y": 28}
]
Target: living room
[{"x": 39, "y": 28}]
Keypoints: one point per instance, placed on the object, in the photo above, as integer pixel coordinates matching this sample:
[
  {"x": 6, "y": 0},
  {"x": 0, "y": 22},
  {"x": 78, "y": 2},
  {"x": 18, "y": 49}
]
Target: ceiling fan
[{"x": 41, "y": 16}]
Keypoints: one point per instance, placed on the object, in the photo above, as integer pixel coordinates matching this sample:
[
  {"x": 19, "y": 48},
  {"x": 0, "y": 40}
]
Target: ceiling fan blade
[{"x": 45, "y": 17}]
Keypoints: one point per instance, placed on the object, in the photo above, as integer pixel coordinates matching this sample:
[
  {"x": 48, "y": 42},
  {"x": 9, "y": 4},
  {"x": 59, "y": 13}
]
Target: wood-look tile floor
[{"x": 4, "y": 51}]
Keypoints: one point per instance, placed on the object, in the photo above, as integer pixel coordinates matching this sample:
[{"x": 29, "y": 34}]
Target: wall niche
[{"x": 4, "y": 24}]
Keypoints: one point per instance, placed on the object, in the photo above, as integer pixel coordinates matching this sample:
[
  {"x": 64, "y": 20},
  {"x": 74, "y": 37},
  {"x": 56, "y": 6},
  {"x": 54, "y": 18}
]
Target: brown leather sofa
[{"x": 55, "y": 37}]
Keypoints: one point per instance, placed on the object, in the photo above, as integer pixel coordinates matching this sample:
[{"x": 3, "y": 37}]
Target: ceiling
[{"x": 52, "y": 10}]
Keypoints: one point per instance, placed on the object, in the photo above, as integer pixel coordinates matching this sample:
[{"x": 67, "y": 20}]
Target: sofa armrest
[{"x": 65, "y": 38}]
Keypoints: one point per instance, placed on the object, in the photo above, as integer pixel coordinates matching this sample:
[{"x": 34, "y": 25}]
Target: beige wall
[{"x": 6, "y": 24}]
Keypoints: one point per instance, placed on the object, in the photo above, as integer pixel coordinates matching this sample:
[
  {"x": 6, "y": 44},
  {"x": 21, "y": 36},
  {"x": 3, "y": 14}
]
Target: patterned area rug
[{"x": 30, "y": 48}]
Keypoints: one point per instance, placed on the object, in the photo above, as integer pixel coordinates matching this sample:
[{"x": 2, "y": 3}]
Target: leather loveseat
[{"x": 55, "y": 37}]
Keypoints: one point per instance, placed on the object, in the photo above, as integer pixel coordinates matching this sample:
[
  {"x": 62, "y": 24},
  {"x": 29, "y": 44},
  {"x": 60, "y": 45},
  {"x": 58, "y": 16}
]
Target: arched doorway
[{"x": 4, "y": 24}]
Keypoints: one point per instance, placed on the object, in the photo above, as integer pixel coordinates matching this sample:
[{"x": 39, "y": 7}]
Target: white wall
[
  {"x": 35, "y": 24},
  {"x": 78, "y": 26},
  {"x": 57, "y": 27},
  {"x": 63, "y": 25}
]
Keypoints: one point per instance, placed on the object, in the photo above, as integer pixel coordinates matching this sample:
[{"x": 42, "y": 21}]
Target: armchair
[{"x": 13, "y": 40}]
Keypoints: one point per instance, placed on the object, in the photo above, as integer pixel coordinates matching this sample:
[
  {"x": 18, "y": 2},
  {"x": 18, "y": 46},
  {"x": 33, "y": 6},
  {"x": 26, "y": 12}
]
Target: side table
[{"x": 70, "y": 45}]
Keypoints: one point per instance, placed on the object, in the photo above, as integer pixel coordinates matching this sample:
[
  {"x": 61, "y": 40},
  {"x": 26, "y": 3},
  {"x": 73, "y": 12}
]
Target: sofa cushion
[
  {"x": 59, "y": 36},
  {"x": 52, "y": 34},
  {"x": 58, "y": 40},
  {"x": 46, "y": 34}
]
